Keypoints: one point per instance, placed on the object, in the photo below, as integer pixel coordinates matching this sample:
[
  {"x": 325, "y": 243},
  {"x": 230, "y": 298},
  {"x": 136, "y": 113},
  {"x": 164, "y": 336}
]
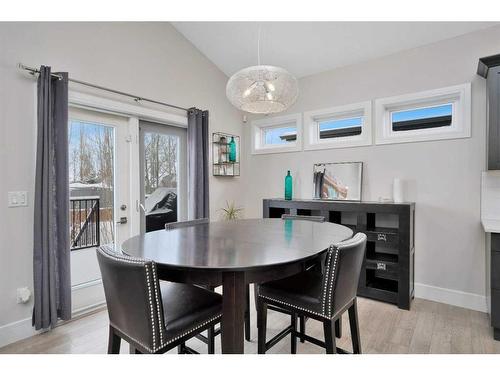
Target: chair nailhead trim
[
  {"x": 329, "y": 280},
  {"x": 127, "y": 259},
  {"x": 138, "y": 341},
  {"x": 151, "y": 308},
  {"x": 325, "y": 285},
  {"x": 332, "y": 281},
  {"x": 189, "y": 331},
  {"x": 148, "y": 348},
  {"x": 124, "y": 258},
  {"x": 294, "y": 306},
  {"x": 155, "y": 283}
]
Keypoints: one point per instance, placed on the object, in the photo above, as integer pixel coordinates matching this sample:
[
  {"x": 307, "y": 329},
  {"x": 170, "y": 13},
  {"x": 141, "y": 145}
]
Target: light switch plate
[{"x": 18, "y": 198}]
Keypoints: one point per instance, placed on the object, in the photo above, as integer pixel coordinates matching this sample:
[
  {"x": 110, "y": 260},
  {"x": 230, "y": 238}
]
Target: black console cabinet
[
  {"x": 495, "y": 284},
  {"x": 489, "y": 68},
  {"x": 388, "y": 269}
]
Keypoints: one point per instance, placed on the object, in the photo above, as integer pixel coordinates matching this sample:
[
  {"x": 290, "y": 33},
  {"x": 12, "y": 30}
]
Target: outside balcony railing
[{"x": 84, "y": 222}]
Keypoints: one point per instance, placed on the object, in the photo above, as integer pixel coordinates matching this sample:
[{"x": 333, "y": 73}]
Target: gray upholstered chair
[
  {"x": 321, "y": 296},
  {"x": 153, "y": 316}
]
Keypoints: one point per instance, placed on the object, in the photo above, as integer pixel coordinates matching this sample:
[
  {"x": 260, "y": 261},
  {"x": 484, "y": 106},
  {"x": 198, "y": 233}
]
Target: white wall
[
  {"x": 443, "y": 176},
  {"x": 148, "y": 59}
]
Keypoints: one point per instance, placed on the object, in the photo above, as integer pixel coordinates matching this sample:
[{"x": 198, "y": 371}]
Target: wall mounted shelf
[{"x": 224, "y": 162}]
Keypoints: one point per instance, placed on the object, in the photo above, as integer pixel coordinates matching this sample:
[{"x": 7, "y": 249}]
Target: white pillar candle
[{"x": 397, "y": 191}]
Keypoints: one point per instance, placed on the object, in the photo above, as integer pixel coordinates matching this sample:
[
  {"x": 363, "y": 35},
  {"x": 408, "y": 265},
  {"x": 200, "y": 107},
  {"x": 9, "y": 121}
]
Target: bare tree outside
[
  {"x": 91, "y": 175},
  {"x": 160, "y": 159},
  {"x": 160, "y": 179},
  {"x": 91, "y": 171}
]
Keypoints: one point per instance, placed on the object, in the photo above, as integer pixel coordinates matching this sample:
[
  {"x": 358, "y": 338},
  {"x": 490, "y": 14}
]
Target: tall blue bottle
[
  {"x": 232, "y": 150},
  {"x": 288, "y": 186}
]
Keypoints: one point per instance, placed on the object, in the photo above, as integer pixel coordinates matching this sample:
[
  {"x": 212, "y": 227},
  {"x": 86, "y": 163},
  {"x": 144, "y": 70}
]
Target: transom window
[
  {"x": 422, "y": 118},
  {"x": 425, "y": 116},
  {"x": 333, "y": 128},
  {"x": 343, "y": 126},
  {"x": 280, "y": 135},
  {"x": 277, "y": 134}
]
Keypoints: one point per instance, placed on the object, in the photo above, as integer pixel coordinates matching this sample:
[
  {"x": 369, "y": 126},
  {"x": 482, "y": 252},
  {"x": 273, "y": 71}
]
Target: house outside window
[
  {"x": 338, "y": 127},
  {"x": 425, "y": 116},
  {"x": 277, "y": 134}
]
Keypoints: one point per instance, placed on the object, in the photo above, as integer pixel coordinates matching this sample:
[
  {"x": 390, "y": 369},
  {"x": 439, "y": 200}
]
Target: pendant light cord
[{"x": 258, "y": 45}]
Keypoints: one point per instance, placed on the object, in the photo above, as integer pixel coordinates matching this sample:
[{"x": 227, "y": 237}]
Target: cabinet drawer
[
  {"x": 382, "y": 269},
  {"x": 388, "y": 237}
]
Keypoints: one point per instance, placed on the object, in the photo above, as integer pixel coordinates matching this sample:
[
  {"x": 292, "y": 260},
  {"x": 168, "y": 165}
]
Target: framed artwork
[{"x": 338, "y": 181}]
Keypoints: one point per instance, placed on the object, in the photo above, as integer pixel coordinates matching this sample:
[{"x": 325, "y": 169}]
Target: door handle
[
  {"x": 141, "y": 206},
  {"x": 123, "y": 220}
]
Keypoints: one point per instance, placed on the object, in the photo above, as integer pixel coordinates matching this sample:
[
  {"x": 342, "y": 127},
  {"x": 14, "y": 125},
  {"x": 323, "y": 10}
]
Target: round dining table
[{"x": 234, "y": 254}]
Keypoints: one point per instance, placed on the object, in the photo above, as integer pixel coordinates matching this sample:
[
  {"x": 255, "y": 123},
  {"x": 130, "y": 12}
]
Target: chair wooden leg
[
  {"x": 210, "y": 334},
  {"x": 293, "y": 337},
  {"x": 338, "y": 328},
  {"x": 211, "y": 339},
  {"x": 247, "y": 314},
  {"x": 302, "y": 327},
  {"x": 262, "y": 324},
  {"x": 329, "y": 330},
  {"x": 114, "y": 342},
  {"x": 181, "y": 348},
  {"x": 354, "y": 325}
]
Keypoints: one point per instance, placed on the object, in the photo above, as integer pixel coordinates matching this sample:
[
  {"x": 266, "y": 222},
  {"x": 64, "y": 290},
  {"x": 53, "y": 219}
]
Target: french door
[
  {"x": 163, "y": 175},
  {"x": 126, "y": 176},
  {"x": 99, "y": 177}
]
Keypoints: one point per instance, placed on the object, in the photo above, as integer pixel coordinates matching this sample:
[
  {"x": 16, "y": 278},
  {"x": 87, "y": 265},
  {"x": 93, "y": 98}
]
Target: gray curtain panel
[
  {"x": 197, "y": 143},
  {"x": 51, "y": 247}
]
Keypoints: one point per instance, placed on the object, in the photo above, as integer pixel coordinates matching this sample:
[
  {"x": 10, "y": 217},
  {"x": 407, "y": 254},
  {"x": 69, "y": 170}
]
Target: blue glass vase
[
  {"x": 288, "y": 186},
  {"x": 232, "y": 150}
]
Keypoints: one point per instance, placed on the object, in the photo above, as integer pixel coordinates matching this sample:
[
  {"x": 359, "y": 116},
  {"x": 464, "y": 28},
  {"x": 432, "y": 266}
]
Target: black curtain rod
[{"x": 137, "y": 98}]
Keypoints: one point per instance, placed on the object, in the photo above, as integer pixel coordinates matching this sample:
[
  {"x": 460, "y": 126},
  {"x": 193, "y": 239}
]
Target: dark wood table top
[{"x": 240, "y": 245}]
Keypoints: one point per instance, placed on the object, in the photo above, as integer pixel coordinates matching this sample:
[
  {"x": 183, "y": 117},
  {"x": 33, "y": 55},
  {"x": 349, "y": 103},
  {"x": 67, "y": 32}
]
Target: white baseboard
[
  {"x": 16, "y": 331},
  {"x": 451, "y": 297},
  {"x": 87, "y": 297}
]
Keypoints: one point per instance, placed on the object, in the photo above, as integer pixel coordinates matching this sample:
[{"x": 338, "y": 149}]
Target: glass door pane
[
  {"x": 163, "y": 175},
  {"x": 99, "y": 181},
  {"x": 91, "y": 184}
]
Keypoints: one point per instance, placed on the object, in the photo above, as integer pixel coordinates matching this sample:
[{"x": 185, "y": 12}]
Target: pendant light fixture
[{"x": 262, "y": 89}]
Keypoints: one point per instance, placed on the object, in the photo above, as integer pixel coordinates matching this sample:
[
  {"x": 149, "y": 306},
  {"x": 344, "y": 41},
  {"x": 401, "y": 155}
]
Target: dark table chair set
[{"x": 302, "y": 267}]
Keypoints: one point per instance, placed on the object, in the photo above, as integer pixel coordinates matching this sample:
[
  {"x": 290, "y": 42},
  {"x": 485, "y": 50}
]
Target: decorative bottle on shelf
[
  {"x": 288, "y": 186},
  {"x": 232, "y": 150},
  {"x": 222, "y": 149}
]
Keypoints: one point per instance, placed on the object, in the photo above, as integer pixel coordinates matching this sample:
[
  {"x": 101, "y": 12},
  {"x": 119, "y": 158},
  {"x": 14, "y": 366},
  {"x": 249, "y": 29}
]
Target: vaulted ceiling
[{"x": 306, "y": 48}]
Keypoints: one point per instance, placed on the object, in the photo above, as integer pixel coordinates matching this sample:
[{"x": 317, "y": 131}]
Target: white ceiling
[{"x": 306, "y": 48}]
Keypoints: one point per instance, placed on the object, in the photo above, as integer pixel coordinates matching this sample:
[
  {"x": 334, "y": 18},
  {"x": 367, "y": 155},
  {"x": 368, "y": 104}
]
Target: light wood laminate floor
[{"x": 429, "y": 327}]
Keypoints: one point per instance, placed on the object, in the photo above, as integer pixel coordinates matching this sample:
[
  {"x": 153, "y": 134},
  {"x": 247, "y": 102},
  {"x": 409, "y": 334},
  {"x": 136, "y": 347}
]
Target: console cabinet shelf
[{"x": 388, "y": 269}]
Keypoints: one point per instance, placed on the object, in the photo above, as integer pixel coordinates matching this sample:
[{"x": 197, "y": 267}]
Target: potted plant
[{"x": 231, "y": 212}]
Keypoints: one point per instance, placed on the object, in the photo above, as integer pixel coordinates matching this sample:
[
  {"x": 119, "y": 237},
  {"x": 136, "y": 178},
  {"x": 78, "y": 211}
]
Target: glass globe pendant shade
[{"x": 262, "y": 89}]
